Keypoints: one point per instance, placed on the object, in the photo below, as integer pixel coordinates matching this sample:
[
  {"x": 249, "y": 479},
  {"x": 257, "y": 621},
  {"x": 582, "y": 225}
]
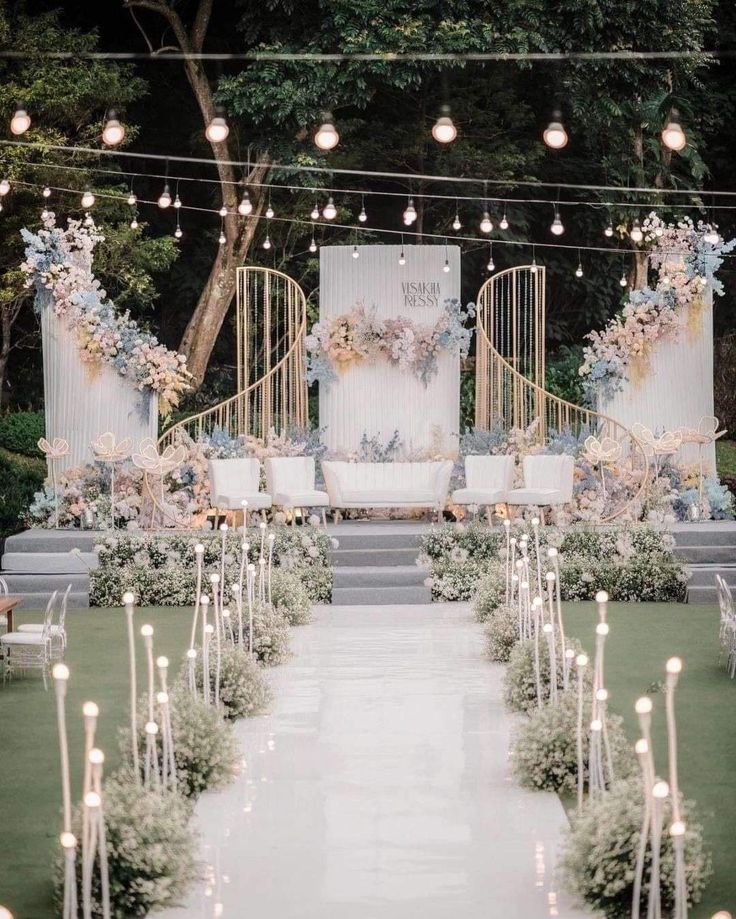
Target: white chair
[
  {"x": 290, "y": 481},
  {"x": 29, "y": 650},
  {"x": 548, "y": 481},
  {"x": 57, "y": 630},
  {"x": 488, "y": 480},
  {"x": 3, "y": 618},
  {"x": 233, "y": 481}
]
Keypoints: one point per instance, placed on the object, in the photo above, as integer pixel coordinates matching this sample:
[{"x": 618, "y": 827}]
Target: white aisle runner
[{"x": 379, "y": 787}]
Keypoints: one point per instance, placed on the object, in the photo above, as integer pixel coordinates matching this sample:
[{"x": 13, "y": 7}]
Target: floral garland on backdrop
[
  {"x": 59, "y": 265},
  {"x": 338, "y": 342},
  {"x": 622, "y": 348}
]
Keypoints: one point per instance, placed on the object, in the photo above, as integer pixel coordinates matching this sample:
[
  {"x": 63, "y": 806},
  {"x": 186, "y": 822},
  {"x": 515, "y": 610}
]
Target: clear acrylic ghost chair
[
  {"x": 57, "y": 631},
  {"x": 29, "y": 650}
]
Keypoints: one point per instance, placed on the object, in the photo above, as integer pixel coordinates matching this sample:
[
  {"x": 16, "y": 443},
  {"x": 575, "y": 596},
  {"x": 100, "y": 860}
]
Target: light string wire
[
  {"x": 500, "y": 200},
  {"x": 368, "y": 56},
  {"x": 306, "y": 222},
  {"x": 404, "y": 177}
]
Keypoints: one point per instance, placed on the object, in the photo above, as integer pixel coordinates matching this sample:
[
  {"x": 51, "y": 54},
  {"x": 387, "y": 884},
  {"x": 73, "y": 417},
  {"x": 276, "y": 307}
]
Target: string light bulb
[
  {"x": 622, "y": 280},
  {"x": 267, "y": 242},
  {"x": 362, "y": 216},
  {"x": 217, "y": 130},
  {"x": 88, "y": 199},
  {"x": 20, "y": 122},
  {"x": 113, "y": 132},
  {"x": 164, "y": 199},
  {"x": 491, "y": 266},
  {"x": 609, "y": 230},
  {"x": 134, "y": 224},
  {"x": 221, "y": 239},
  {"x": 579, "y": 269},
  {"x": 504, "y": 224},
  {"x": 410, "y": 213},
  {"x": 446, "y": 266},
  {"x": 557, "y": 228},
  {"x": 673, "y": 137},
  {"x": 486, "y": 224},
  {"x": 356, "y": 254},
  {"x": 177, "y": 201},
  {"x": 46, "y": 192},
  {"x": 4, "y": 187},
  {"x": 402, "y": 257},
  {"x": 326, "y": 136},
  {"x": 555, "y": 135},
  {"x": 223, "y": 211},
  {"x": 178, "y": 231},
  {"x": 313, "y": 244},
  {"x": 132, "y": 200},
  {"x": 329, "y": 212},
  {"x": 315, "y": 212},
  {"x": 456, "y": 225},
  {"x": 533, "y": 268},
  {"x": 444, "y": 130},
  {"x": 245, "y": 208},
  {"x": 636, "y": 233},
  {"x": 269, "y": 211}
]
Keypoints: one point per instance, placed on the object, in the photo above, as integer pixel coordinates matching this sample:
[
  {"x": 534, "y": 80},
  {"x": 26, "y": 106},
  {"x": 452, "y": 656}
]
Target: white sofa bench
[{"x": 367, "y": 485}]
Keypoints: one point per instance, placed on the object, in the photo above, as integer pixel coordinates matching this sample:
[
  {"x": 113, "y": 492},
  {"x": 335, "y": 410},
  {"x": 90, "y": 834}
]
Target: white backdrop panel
[
  {"x": 677, "y": 389},
  {"x": 85, "y": 400},
  {"x": 378, "y": 399}
]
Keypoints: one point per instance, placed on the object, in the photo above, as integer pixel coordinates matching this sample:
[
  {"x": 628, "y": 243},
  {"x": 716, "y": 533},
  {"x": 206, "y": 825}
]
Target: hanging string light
[
  {"x": 673, "y": 137},
  {"x": 4, "y": 187},
  {"x": 329, "y": 211},
  {"x": 88, "y": 221},
  {"x": 410, "y": 213},
  {"x": 46, "y": 192},
  {"x": 623, "y": 280},
  {"x": 313, "y": 244},
  {"x": 533, "y": 266},
  {"x": 456, "y": 225},
  {"x": 134, "y": 224},
  {"x": 491, "y": 266},
  {"x": 486, "y": 224},
  {"x": 555, "y": 135},
  {"x": 269, "y": 210},
  {"x": 315, "y": 212},
  {"x": 636, "y": 233},
  {"x": 444, "y": 130},
  {"x": 217, "y": 130},
  {"x": 113, "y": 132},
  {"x": 223, "y": 211},
  {"x": 609, "y": 229},
  {"x": 557, "y": 228},
  {"x": 222, "y": 239},
  {"x": 177, "y": 199},
  {"x": 326, "y": 136},
  {"x": 267, "y": 242},
  {"x": 245, "y": 208},
  {"x": 356, "y": 254},
  {"x": 21, "y": 121},
  {"x": 132, "y": 199},
  {"x": 178, "y": 232},
  {"x": 88, "y": 199},
  {"x": 362, "y": 216},
  {"x": 579, "y": 269},
  {"x": 504, "y": 224},
  {"x": 164, "y": 199}
]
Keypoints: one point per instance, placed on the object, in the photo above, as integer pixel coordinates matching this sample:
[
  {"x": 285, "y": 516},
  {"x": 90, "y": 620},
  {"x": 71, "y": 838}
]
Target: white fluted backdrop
[
  {"x": 84, "y": 400},
  {"x": 378, "y": 399},
  {"x": 676, "y": 388}
]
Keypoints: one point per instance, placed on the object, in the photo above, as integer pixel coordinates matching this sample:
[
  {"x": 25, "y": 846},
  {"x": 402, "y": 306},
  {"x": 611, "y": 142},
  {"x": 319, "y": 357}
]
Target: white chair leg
[
  {"x": 324, "y": 518},
  {"x": 488, "y": 515}
]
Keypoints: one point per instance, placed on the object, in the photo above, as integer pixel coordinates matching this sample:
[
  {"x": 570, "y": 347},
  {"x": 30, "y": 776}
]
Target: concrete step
[
  {"x": 708, "y": 533},
  {"x": 705, "y": 575},
  {"x": 702, "y": 595},
  {"x": 31, "y": 583},
  {"x": 48, "y": 562},
  {"x": 380, "y": 576},
  {"x": 373, "y": 557},
  {"x": 38, "y": 540},
  {"x": 707, "y": 555},
  {"x": 370, "y": 540},
  {"x": 380, "y": 596},
  {"x": 38, "y": 600}
]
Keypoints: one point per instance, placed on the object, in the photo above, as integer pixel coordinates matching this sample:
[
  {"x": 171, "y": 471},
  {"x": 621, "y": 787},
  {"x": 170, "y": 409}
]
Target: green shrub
[
  {"x": 20, "y": 432},
  {"x": 205, "y": 749},
  {"x": 244, "y": 690},
  {"x": 599, "y": 859},
  {"x": 502, "y": 633},
  {"x": 490, "y": 593},
  {"x": 520, "y": 686},
  {"x": 544, "y": 746},
  {"x": 20, "y": 478},
  {"x": 291, "y": 597},
  {"x": 270, "y": 635},
  {"x": 150, "y": 850}
]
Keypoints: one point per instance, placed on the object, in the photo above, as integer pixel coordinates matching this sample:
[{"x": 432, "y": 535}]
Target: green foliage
[
  {"x": 150, "y": 850},
  {"x": 600, "y": 853},
  {"x": 489, "y": 593},
  {"x": 544, "y": 746},
  {"x": 290, "y": 597},
  {"x": 502, "y": 631},
  {"x": 270, "y": 635},
  {"x": 20, "y": 432},
  {"x": 244, "y": 690},
  {"x": 520, "y": 683},
  {"x": 562, "y": 375},
  {"x": 20, "y": 478}
]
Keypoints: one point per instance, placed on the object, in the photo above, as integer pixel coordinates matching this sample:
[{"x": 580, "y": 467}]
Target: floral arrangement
[
  {"x": 58, "y": 265},
  {"x": 686, "y": 263},
  {"x": 337, "y": 342},
  {"x": 244, "y": 690},
  {"x": 598, "y": 863},
  {"x": 632, "y": 562},
  {"x": 502, "y": 633},
  {"x": 159, "y": 568},
  {"x": 519, "y": 680}
]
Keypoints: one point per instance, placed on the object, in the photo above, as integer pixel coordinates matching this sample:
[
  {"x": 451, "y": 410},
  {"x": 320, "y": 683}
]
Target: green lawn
[
  {"x": 641, "y": 639},
  {"x": 726, "y": 457},
  {"x": 30, "y": 790}
]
